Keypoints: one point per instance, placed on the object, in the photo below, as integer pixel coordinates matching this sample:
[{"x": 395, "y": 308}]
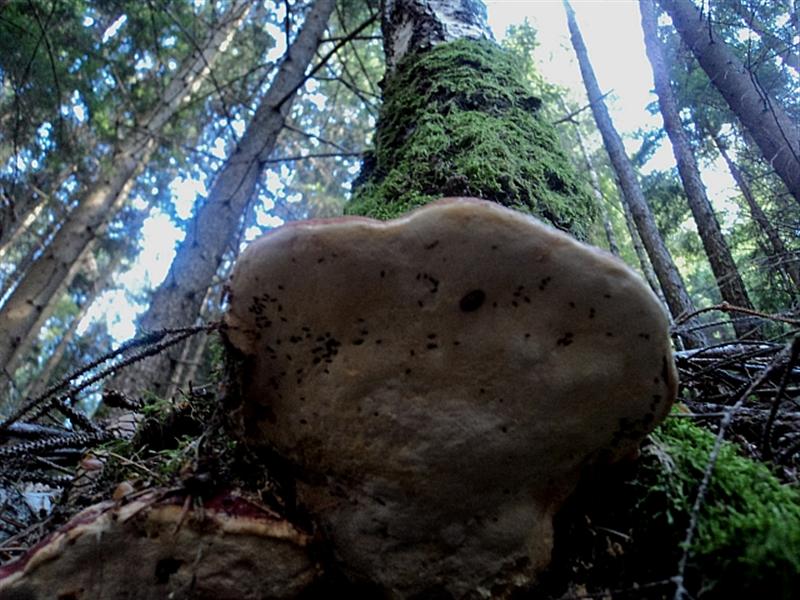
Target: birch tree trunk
[
  {"x": 177, "y": 302},
  {"x": 30, "y": 304},
  {"x": 784, "y": 259},
  {"x": 667, "y": 273},
  {"x": 729, "y": 281},
  {"x": 776, "y": 134}
]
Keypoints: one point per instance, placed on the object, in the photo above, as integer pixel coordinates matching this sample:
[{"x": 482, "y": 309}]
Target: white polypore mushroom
[{"x": 439, "y": 381}]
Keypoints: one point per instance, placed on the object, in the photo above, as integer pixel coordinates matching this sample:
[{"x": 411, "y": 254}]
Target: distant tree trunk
[
  {"x": 19, "y": 213},
  {"x": 43, "y": 378},
  {"x": 178, "y": 300},
  {"x": 668, "y": 275},
  {"x": 729, "y": 281},
  {"x": 30, "y": 304},
  {"x": 638, "y": 247},
  {"x": 611, "y": 237},
  {"x": 24, "y": 262},
  {"x": 776, "y": 134},
  {"x": 784, "y": 259}
]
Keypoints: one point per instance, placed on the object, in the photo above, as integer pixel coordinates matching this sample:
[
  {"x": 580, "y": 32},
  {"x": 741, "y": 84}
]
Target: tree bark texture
[
  {"x": 726, "y": 274},
  {"x": 783, "y": 258},
  {"x": 177, "y": 302},
  {"x": 668, "y": 275},
  {"x": 412, "y": 25},
  {"x": 27, "y": 308},
  {"x": 774, "y": 131}
]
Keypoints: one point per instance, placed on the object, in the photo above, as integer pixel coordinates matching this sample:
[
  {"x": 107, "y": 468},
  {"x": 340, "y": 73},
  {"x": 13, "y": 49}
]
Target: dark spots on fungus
[
  {"x": 431, "y": 336},
  {"x": 420, "y": 303},
  {"x": 264, "y": 413},
  {"x": 472, "y": 301},
  {"x": 544, "y": 282},
  {"x": 432, "y": 281},
  {"x": 358, "y": 342},
  {"x": 165, "y": 568},
  {"x": 566, "y": 339},
  {"x": 432, "y": 245},
  {"x": 609, "y": 334},
  {"x": 432, "y": 346},
  {"x": 383, "y": 274},
  {"x": 378, "y": 342},
  {"x": 644, "y": 336},
  {"x": 411, "y": 353},
  {"x": 664, "y": 370},
  {"x": 607, "y": 296},
  {"x": 408, "y": 371},
  {"x": 592, "y": 313},
  {"x": 571, "y": 304},
  {"x": 280, "y": 287},
  {"x": 495, "y": 246},
  {"x": 320, "y": 260},
  {"x": 303, "y": 422},
  {"x": 527, "y": 336},
  {"x": 504, "y": 429}
]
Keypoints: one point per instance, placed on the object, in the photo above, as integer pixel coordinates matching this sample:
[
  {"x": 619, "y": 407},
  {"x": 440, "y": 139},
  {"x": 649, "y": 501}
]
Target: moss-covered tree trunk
[{"x": 458, "y": 120}]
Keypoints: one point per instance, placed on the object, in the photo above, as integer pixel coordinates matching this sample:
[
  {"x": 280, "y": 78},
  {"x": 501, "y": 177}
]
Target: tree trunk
[
  {"x": 40, "y": 383},
  {"x": 638, "y": 247},
  {"x": 178, "y": 300},
  {"x": 783, "y": 258},
  {"x": 668, "y": 275},
  {"x": 19, "y": 267},
  {"x": 594, "y": 180},
  {"x": 776, "y": 134},
  {"x": 729, "y": 281},
  {"x": 452, "y": 140},
  {"x": 28, "y": 307},
  {"x": 19, "y": 214}
]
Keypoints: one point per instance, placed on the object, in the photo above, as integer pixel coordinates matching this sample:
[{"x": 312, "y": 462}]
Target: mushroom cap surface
[{"x": 439, "y": 381}]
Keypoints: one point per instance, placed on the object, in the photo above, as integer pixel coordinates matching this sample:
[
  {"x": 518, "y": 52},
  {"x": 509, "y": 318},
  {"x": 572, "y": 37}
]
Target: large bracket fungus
[{"x": 437, "y": 384}]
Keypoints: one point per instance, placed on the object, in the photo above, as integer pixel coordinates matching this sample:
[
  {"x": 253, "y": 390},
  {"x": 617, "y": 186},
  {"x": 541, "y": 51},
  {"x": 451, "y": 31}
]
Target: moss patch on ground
[
  {"x": 458, "y": 120},
  {"x": 621, "y": 535},
  {"x": 748, "y": 534}
]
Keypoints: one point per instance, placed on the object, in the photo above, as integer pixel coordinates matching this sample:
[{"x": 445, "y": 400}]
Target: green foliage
[
  {"x": 457, "y": 121},
  {"x": 748, "y": 534}
]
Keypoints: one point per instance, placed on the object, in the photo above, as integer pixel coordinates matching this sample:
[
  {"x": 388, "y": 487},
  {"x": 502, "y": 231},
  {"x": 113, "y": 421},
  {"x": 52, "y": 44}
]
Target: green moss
[
  {"x": 748, "y": 535},
  {"x": 459, "y": 120}
]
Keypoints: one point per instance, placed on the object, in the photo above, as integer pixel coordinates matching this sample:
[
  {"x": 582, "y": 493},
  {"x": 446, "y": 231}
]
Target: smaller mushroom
[
  {"x": 439, "y": 382},
  {"x": 136, "y": 550}
]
